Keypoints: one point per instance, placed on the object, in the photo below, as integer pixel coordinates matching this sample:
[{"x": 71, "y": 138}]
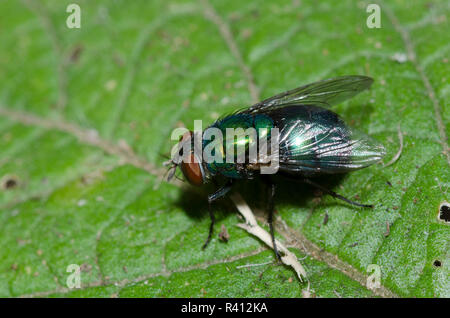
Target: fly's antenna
[
  {"x": 172, "y": 168},
  {"x": 165, "y": 174},
  {"x": 171, "y": 172},
  {"x": 172, "y": 163}
]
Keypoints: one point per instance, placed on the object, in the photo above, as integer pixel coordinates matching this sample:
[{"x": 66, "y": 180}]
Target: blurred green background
[{"x": 85, "y": 113}]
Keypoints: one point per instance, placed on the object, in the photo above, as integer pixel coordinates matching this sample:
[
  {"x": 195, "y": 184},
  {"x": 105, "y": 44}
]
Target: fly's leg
[
  {"x": 219, "y": 193},
  {"x": 211, "y": 226},
  {"x": 336, "y": 195},
  {"x": 271, "y": 209},
  {"x": 270, "y": 218}
]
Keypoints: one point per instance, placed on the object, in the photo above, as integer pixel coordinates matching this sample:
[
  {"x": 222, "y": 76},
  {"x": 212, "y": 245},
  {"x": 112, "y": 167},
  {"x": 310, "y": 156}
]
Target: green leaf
[{"x": 85, "y": 113}]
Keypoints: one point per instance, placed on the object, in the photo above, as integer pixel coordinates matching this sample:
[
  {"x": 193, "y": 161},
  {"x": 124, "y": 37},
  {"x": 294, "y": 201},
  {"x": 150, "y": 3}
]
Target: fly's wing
[
  {"x": 323, "y": 93},
  {"x": 322, "y": 146}
]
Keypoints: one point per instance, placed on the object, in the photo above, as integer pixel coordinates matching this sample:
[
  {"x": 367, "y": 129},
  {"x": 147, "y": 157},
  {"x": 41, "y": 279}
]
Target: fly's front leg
[
  {"x": 271, "y": 209},
  {"x": 221, "y": 192}
]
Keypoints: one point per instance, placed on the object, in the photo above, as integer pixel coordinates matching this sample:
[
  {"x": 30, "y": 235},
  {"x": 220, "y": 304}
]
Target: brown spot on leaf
[
  {"x": 85, "y": 267},
  {"x": 224, "y": 236},
  {"x": 10, "y": 182},
  {"x": 388, "y": 229},
  {"x": 76, "y": 53},
  {"x": 325, "y": 219}
]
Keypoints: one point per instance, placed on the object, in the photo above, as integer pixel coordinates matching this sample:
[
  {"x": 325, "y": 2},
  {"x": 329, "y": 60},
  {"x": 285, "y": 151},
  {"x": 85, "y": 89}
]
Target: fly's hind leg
[
  {"x": 336, "y": 195},
  {"x": 219, "y": 193},
  {"x": 271, "y": 208}
]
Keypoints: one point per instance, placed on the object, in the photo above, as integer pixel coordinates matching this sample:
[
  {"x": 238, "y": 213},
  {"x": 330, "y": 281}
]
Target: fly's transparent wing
[
  {"x": 323, "y": 93},
  {"x": 326, "y": 149}
]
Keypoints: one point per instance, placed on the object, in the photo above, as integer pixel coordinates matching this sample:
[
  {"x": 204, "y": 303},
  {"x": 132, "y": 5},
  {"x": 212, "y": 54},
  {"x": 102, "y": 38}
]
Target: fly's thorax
[{"x": 231, "y": 144}]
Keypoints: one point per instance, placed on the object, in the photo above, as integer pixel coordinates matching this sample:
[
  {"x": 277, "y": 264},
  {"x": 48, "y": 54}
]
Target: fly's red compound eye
[{"x": 192, "y": 171}]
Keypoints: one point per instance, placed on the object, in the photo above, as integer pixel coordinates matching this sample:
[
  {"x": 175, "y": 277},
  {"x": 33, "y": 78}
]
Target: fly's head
[{"x": 188, "y": 160}]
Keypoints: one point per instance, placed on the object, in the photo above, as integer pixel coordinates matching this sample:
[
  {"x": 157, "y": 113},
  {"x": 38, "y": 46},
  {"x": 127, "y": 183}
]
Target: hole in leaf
[
  {"x": 437, "y": 263},
  {"x": 9, "y": 183},
  {"x": 444, "y": 212}
]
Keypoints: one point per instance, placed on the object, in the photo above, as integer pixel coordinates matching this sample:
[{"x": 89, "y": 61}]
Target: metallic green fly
[{"x": 312, "y": 140}]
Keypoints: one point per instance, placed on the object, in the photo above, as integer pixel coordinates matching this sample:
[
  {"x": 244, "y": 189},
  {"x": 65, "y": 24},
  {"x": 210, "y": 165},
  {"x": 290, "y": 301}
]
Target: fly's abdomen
[{"x": 314, "y": 139}]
